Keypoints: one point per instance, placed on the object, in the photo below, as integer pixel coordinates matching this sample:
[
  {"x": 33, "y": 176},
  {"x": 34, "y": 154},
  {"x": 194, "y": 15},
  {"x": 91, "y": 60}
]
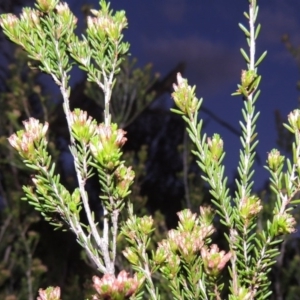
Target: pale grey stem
[
  {"x": 106, "y": 86},
  {"x": 279, "y": 264},
  {"x": 107, "y": 90},
  {"x": 249, "y": 120},
  {"x": 81, "y": 236},
  {"x": 255, "y": 279},
  {"x": 249, "y": 127},
  {"x": 77, "y": 229},
  {"x": 115, "y": 217},
  {"x": 185, "y": 170},
  {"x": 202, "y": 287},
  {"x": 252, "y": 7},
  {"x": 235, "y": 279},
  {"x": 146, "y": 271},
  {"x": 109, "y": 263},
  {"x": 81, "y": 181}
]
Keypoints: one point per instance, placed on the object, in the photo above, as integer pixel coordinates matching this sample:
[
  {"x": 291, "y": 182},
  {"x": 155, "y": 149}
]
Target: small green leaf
[
  {"x": 255, "y": 13},
  {"x": 257, "y": 31},
  {"x": 296, "y": 201},
  {"x": 244, "y": 29},
  {"x": 245, "y": 55},
  {"x": 261, "y": 58}
]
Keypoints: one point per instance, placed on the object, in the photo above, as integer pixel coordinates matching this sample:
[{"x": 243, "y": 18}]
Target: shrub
[{"x": 191, "y": 265}]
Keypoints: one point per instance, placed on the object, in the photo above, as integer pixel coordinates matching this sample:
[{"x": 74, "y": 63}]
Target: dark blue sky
[{"x": 205, "y": 35}]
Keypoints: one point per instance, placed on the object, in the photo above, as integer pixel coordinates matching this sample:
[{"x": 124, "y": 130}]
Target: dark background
[{"x": 205, "y": 36}]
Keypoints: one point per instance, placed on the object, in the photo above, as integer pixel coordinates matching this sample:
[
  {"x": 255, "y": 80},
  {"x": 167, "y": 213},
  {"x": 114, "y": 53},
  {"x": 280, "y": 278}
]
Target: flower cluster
[
  {"x": 25, "y": 141},
  {"x": 294, "y": 120},
  {"x": 184, "y": 96},
  {"x": 214, "y": 260},
  {"x": 124, "y": 179},
  {"x": 186, "y": 241},
  {"x": 283, "y": 224},
  {"x": 215, "y": 146},
  {"x": 83, "y": 126},
  {"x": 249, "y": 208},
  {"x": 275, "y": 160},
  {"x": 66, "y": 22},
  {"x": 110, "y": 287},
  {"x": 106, "y": 24},
  {"x": 105, "y": 145},
  {"x": 46, "y": 5},
  {"x": 28, "y": 32},
  {"x": 137, "y": 232},
  {"x": 51, "y": 293}
]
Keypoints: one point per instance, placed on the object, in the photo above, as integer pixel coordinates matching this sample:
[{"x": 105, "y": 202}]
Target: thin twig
[{"x": 185, "y": 170}]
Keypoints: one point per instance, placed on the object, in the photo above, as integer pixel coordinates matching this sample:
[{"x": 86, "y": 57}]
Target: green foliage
[{"x": 191, "y": 265}]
